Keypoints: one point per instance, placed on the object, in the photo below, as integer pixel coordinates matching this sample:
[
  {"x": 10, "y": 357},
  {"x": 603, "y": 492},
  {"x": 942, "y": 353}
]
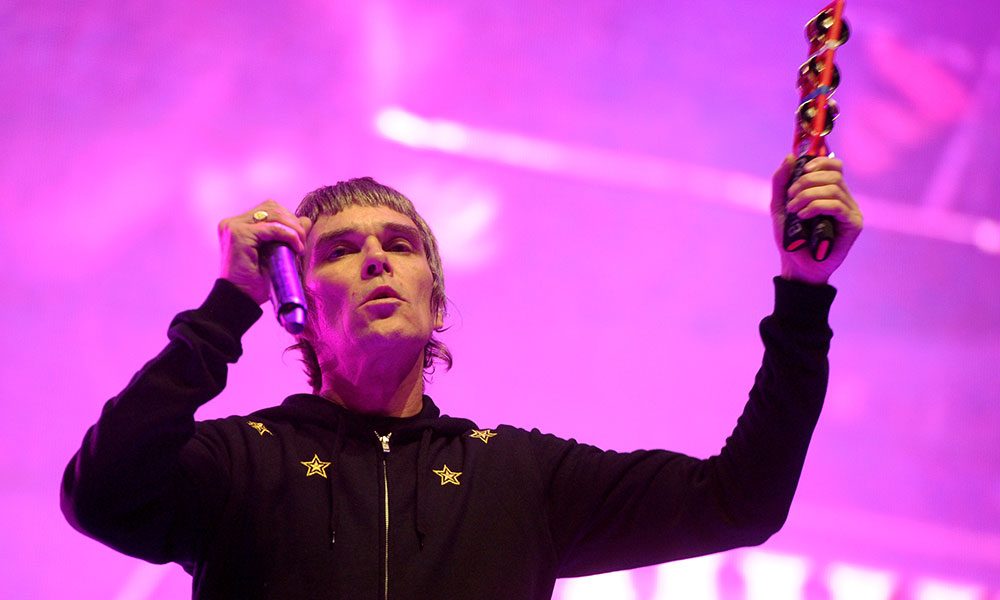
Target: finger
[
  {"x": 841, "y": 193},
  {"x": 272, "y": 231},
  {"x": 821, "y": 192},
  {"x": 849, "y": 199},
  {"x": 278, "y": 213},
  {"x": 814, "y": 179},
  {"x": 824, "y": 192},
  {"x": 829, "y": 164},
  {"x": 778, "y": 182},
  {"x": 824, "y": 163},
  {"x": 831, "y": 208}
]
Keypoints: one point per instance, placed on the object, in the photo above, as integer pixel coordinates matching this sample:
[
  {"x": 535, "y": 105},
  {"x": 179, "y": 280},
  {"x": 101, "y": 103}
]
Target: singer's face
[{"x": 369, "y": 283}]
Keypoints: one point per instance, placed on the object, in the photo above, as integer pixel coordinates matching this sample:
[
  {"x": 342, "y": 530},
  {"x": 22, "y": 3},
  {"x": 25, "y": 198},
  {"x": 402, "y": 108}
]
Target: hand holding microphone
[
  {"x": 258, "y": 256},
  {"x": 286, "y": 288}
]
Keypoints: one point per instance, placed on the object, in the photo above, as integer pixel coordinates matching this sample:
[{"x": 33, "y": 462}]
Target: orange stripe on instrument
[
  {"x": 817, "y": 146},
  {"x": 818, "y": 79}
]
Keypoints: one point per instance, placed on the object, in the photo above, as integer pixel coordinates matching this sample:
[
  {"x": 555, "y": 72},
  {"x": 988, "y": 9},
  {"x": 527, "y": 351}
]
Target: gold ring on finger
[{"x": 259, "y": 216}]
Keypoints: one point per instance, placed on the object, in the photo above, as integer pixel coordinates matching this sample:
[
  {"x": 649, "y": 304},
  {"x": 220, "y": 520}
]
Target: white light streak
[
  {"x": 692, "y": 579},
  {"x": 986, "y": 236},
  {"x": 417, "y": 132},
  {"x": 844, "y": 526},
  {"x": 848, "y": 582},
  {"x": 617, "y": 585},
  {"x": 928, "y": 589},
  {"x": 774, "y": 576},
  {"x": 683, "y": 181}
]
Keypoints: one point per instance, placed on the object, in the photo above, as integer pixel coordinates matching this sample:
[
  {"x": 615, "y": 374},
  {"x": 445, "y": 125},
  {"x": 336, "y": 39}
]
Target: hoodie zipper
[{"x": 384, "y": 440}]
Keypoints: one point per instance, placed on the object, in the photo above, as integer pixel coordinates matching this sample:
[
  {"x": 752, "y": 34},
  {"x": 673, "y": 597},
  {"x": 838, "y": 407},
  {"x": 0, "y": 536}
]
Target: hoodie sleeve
[
  {"x": 143, "y": 482},
  {"x": 611, "y": 511}
]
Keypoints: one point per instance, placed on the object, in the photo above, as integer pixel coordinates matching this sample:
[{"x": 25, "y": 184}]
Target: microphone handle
[{"x": 286, "y": 288}]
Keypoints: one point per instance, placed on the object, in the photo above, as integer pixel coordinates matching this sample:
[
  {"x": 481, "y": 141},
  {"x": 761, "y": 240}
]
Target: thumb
[{"x": 779, "y": 183}]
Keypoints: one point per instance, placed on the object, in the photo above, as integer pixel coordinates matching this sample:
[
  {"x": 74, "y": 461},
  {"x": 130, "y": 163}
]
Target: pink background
[{"x": 597, "y": 174}]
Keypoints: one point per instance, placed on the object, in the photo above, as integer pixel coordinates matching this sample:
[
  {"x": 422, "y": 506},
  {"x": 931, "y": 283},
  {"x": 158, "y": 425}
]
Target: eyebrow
[{"x": 332, "y": 236}]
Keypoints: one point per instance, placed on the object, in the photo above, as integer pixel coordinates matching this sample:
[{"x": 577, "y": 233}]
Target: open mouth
[{"x": 382, "y": 293}]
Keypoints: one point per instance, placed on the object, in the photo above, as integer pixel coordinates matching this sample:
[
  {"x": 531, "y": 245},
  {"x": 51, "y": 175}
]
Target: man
[{"x": 363, "y": 490}]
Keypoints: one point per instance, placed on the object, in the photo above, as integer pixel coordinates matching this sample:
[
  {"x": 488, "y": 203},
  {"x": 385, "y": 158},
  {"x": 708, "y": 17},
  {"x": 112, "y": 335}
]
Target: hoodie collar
[
  {"x": 423, "y": 425},
  {"x": 320, "y": 410}
]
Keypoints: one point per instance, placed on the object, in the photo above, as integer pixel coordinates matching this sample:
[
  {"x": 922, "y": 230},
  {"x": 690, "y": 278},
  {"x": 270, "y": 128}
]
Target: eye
[
  {"x": 338, "y": 251},
  {"x": 400, "y": 245}
]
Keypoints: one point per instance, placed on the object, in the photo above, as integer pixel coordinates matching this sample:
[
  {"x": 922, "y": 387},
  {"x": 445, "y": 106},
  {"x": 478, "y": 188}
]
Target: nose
[{"x": 376, "y": 260}]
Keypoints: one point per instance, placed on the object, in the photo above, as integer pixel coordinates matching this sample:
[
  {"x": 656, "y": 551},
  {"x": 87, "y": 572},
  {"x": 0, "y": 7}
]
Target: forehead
[
  {"x": 360, "y": 220},
  {"x": 364, "y": 219}
]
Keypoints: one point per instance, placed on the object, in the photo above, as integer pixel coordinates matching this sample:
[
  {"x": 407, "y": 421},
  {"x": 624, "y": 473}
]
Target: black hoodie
[{"x": 308, "y": 500}]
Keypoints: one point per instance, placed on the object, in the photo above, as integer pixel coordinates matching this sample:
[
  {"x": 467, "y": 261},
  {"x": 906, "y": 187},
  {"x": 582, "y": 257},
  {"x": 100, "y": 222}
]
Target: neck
[{"x": 377, "y": 386}]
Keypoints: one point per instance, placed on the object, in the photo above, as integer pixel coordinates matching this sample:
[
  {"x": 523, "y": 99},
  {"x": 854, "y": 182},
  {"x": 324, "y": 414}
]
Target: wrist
[
  {"x": 253, "y": 289},
  {"x": 792, "y": 274}
]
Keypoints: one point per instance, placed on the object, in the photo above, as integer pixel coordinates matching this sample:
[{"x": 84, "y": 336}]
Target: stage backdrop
[{"x": 597, "y": 173}]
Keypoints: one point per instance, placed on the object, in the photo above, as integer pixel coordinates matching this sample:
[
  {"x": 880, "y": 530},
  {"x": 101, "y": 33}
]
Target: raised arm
[
  {"x": 612, "y": 511},
  {"x": 145, "y": 481}
]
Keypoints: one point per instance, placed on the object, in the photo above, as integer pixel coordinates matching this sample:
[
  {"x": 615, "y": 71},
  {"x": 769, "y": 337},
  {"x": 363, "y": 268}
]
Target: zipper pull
[{"x": 385, "y": 441}]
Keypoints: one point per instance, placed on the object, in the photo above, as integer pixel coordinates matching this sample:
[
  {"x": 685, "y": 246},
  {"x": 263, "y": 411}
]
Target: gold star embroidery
[
  {"x": 482, "y": 434},
  {"x": 447, "y": 475},
  {"x": 260, "y": 427},
  {"x": 316, "y": 466}
]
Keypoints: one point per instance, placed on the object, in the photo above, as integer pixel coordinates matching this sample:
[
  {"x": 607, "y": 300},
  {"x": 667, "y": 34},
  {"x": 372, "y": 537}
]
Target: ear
[{"x": 439, "y": 318}]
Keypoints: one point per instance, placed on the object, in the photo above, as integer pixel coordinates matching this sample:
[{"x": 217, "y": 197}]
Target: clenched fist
[
  {"x": 819, "y": 191},
  {"x": 241, "y": 237}
]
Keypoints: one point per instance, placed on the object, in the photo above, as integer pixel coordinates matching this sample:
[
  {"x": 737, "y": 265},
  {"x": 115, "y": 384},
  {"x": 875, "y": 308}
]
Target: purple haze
[{"x": 595, "y": 174}]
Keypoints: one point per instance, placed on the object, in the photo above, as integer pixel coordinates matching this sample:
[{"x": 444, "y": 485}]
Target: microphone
[{"x": 287, "y": 296}]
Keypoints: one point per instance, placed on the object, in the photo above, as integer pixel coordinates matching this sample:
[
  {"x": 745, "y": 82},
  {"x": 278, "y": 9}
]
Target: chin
[{"x": 384, "y": 333}]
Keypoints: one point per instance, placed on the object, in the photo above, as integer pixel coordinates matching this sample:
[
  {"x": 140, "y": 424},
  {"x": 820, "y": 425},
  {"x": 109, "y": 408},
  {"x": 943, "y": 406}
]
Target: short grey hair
[{"x": 365, "y": 191}]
